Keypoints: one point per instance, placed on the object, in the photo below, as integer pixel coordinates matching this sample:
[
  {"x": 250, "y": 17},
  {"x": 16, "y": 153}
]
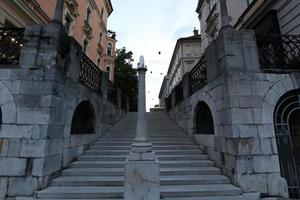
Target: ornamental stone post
[
  {"x": 142, "y": 166},
  {"x": 224, "y": 14}
]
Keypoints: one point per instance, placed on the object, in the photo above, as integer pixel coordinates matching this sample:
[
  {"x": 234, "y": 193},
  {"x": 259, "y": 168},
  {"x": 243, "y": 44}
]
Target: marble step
[
  {"x": 157, "y": 152},
  {"x": 239, "y": 197},
  {"x": 171, "y": 139},
  {"x": 168, "y": 171},
  {"x": 123, "y": 157},
  {"x": 119, "y": 180},
  {"x": 127, "y": 143},
  {"x": 171, "y": 171},
  {"x": 199, "y": 190},
  {"x": 158, "y": 147},
  {"x": 179, "y": 163},
  {"x": 93, "y": 172},
  {"x": 80, "y": 192}
]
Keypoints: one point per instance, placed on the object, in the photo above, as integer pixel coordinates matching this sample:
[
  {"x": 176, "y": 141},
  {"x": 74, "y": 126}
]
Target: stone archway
[
  {"x": 83, "y": 121},
  {"x": 204, "y": 123},
  {"x": 287, "y": 131}
]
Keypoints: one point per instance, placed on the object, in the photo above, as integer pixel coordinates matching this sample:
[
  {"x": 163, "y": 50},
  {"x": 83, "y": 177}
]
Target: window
[
  {"x": 249, "y": 2},
  {"x": 68, "y": 23},
  {"x": 85, "y": 46},
  {"x": 100, "y": 37},
  {"x": 102, "y": 12},
  {"x": 109, "y": 49},
  {"x": 98, "y": 62},
  {"x": 0, "y": 117},
  {"x": 210, "y": 4},
  {"x": 88, "y": 15},
  {"x": 108, "y": 70}
]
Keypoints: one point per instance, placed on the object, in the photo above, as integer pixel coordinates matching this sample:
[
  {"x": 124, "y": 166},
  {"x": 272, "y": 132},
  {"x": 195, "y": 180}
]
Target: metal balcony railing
[
  {"x": 198, "y": 76},
  {"x": 11, "y": 43},
  {"x": 90, "y": 74},
  {"x": 279, "y": 52}
]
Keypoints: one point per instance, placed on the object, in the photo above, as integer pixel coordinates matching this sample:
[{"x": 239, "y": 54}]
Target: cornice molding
[{"x": 24, "y": 5}]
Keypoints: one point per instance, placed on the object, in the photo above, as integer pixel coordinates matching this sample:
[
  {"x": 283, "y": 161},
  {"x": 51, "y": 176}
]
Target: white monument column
[{"x": 142, "y": 166}]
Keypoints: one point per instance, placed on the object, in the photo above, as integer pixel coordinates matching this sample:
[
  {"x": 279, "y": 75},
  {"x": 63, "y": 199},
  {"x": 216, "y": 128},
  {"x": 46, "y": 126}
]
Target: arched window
[
  {"x": 287, "y": 130},
  {"x": 83, "y": 121},
  {"x": 0, "y": 117},
  {"x": 203, "y": 119}
]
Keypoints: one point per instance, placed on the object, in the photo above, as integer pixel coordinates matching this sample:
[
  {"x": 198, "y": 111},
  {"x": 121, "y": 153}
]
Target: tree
[{"x": 126, "y": 77}]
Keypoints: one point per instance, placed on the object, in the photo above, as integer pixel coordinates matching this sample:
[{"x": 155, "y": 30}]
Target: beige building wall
[
  {"x": 246, "y": 14},
  {"x": 185, "y": 56},
  {"x": 24, "y": 12}
]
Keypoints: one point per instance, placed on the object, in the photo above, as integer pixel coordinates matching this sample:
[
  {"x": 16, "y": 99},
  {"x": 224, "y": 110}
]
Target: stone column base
[{"x": 142, "y": 180}]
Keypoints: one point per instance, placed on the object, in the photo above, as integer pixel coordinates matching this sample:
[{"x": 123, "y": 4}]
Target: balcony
[
  {"x": 87, "y": 29},
  {"x": 279, "y": 52},
  {"x": 11, "y": 43}
]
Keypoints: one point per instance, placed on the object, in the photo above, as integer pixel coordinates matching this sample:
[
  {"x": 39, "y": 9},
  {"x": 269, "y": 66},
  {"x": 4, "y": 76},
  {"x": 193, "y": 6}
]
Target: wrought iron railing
[
  {"x": 198, "y": 76},
  {"x": 279, "y": 52},
  {"x": 112, "y": 93},
  {"x": 11, "y": 43},
  {"x": 178, "y": 89},
  {"x": 90, "y": 74}
]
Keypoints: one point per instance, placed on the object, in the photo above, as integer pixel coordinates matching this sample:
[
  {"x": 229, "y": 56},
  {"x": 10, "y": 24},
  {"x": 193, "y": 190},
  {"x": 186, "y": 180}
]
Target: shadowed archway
[
  {"x": 287, "y": 129},
  {"x": 83, "y": 121},
  {"x": 204, "y": 123}
]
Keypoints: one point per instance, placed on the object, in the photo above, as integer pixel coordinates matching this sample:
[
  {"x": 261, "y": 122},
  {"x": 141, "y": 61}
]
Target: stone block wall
[
  {"x": 37, "y": 105},
  {"x": 242, "y": 103}
]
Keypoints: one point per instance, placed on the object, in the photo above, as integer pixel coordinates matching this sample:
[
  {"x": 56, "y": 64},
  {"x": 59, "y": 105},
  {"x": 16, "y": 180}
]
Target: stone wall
[
  {"x": 242, "y": 100},
  {"x": 38, "y": 104}
]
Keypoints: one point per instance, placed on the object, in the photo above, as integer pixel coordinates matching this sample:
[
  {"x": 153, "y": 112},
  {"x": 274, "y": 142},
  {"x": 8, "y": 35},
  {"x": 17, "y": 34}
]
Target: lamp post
[{"x": 142, "y": 166}]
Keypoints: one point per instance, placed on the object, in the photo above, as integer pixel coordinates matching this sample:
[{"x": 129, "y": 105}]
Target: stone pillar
[
  {"x": 104, "y": 85},
  {"x": 224, "y": 14},
  {"x": 186, "y": 85},
  {"x": 142, "y": 166},
  {"x": 74, "y": 61},
  {"x": 119, "y": 98},
  {"x": 44, "y": 43},
  {"x": 58, "y": 15},
  {"x": 246, "y": 154}
]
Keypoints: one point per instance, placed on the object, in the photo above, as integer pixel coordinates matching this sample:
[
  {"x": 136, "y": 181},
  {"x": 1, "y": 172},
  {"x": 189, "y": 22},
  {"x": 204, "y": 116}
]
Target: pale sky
[{"x": 146, "y": 27}]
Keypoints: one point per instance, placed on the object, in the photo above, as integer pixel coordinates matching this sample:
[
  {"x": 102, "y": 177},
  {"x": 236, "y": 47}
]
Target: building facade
[
  {"x": 265, "y": 17},
  {"x": 185, "y": 55},
  {"x": 85, "y": 20},
  {"x": 241, "y": 101}
]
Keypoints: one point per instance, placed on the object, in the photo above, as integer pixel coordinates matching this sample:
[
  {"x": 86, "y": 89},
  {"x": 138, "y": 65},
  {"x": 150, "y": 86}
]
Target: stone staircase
[{"x": 186, "y": 173}]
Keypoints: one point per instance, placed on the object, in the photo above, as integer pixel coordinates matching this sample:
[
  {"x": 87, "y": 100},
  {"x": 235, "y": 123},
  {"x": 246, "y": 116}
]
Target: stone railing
[
  {"x": 279, "y": 52},
  {"x": 11, "y": 43}
]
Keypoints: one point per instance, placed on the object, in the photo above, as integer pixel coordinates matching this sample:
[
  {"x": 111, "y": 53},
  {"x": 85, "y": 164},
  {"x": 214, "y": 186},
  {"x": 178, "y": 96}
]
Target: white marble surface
[{"x": 142, "y": 180}]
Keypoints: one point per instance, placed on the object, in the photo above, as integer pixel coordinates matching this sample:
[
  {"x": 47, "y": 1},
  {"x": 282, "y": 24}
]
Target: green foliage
[{"x": 126, "y": 76}]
